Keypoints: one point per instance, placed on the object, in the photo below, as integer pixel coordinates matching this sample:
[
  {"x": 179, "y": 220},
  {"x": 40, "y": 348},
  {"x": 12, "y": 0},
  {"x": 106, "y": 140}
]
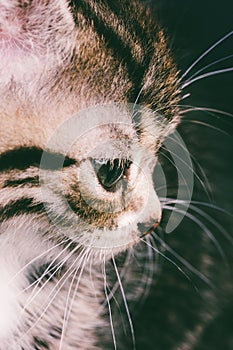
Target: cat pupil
[{"x": 111, "y": 172}]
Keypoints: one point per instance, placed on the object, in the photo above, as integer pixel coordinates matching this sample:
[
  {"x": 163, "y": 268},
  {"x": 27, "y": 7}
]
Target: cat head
[
  {"x": 98, "y": 93},
  {"x": 101, "y": 193}
]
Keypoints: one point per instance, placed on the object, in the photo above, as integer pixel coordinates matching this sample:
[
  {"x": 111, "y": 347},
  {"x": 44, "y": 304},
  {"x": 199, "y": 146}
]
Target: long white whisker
[
  {"x": 209, "y": 126},
  {"x": 204, "y": 215},
  {"x": 116, "y": 285},
  {"x": 209, "y": 65},
  {"x": 108, "y": 303},
  {"x": 190, "y": 108},
  {"x": 176, "y": 265},
  {"x": 206, "y": 75},
  {"x": 151, "y": 269},
  {"x": 83, "y": 261},
  {"x": 125, "y": 302},
  {"x": 36, "y": 258},
  {"x": 182, "y": 260},
  {"x": 187, "y": 165},
  {"x": 200, "y": 224},
  {"x": 68, "y": 307},
  {"x": 58, "y": 267},
  {"x": 209, "y": 205},
  {"x": 181, "y": 174},
  {"x": 206, "y": 53},
  {"x": 63, "y": 280},
  {"x": 71, "y": 271}
]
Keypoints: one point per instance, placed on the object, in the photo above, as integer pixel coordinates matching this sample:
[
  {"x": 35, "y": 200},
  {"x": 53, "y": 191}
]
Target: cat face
[
  {"x": 106, "y": 199},
  {"x": 69, "y": 90},
  {"x": 88, "y": 94}
]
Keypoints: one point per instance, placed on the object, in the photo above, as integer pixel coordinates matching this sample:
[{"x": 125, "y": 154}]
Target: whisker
[
  {"x": 205, "y": 182},
  {"x": 206, "y": 53},
  {"x": 122, "y": 273},
  {"x": 36, "y": 258},
  {"x": 58, "y": 267},
  {"x": 209, "y": 126},
  {"x": 200, "y": 224},
  {"x": 40, "y": 278},
  {"x": 204, "y": 109},
  {"x": 209, "y": 65},
  {"x": 91, "y": 278},
  {"x": 189, "y": 165},
  {"x": 178, "y": 170},
  {"x": 183, "y": 97},
  {"x": 63, "y": 279},
  {"x": 68, "y": 307},
  {"x": 71, "y": 271},
  {"x": 181, "y": 174},
  {"x": 209, "y": 205},
  {"x": 125, "y": 302},
  {"x": 204, "y": 215},
  {"x": 64, "y": 323},
  {"x": 108, "y": 303},
  {"x": 182, "y": 260},
  {"x": 151, "y": 269},
  {"x": 175, "y": 264},
  {"x": 138, "y": 96},
  {"x": 206, "y": 75}
]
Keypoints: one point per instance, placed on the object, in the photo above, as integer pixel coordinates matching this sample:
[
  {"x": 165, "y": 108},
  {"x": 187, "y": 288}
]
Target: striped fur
[{"x": 59, "y": 59}]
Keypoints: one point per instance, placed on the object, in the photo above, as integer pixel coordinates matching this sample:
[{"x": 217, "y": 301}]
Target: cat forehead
[
  {"x": 100, "y": 131},
  {"x": 109, "y": 130}
]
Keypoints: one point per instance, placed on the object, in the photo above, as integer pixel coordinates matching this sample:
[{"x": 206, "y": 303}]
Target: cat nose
[{"x": 146, "y": 228}]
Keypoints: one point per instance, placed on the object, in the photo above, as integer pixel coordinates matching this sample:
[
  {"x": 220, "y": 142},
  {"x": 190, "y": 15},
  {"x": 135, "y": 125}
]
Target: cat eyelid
[
  {"x": 104, "y": 161},
  {"x": 100, "y": 161}
]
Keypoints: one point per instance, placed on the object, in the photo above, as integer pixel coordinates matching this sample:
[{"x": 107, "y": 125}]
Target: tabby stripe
[
  {"x": 24, "y": 157},
  {"x": 40, "y": 344},
  {"x": 119, "y": 10},
  {"x": 135, "y": 70},
  {"x": 21, "y": 206},
  {"x": 136, "y": 27},
  {"x": 26, "y": 181},
  {"x": 113, "y": 16}
]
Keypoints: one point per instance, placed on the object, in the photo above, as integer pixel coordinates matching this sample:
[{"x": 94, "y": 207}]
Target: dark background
[{"x": 180, "y": 314}]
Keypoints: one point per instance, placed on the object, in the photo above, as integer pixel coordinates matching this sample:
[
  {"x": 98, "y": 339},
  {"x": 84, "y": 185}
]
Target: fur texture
[
  {"x": 60, "y": 222},
  {"x": 89, "y": 96}
]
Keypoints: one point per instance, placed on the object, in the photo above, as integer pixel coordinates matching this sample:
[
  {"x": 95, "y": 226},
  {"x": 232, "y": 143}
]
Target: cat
[{"x": 89, "y": 92}]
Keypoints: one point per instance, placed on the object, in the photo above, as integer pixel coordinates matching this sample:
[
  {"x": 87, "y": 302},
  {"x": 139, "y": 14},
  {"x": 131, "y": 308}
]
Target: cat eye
[{"x": 110, "y": 172}]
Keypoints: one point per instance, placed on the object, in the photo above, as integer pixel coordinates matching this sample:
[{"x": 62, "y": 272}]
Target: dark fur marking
[
  {"x": 133, "y": 26},
  {"x": 21, "y": 206},
  {"x": 24, "y": 157},
  {"x": 21, "y": 182},
  {"x": 40, "y": 344},
  {"x": 55, "y": 332},
  {"x": 112, "y": 40},
  {"x": 49, "y": 271}
]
